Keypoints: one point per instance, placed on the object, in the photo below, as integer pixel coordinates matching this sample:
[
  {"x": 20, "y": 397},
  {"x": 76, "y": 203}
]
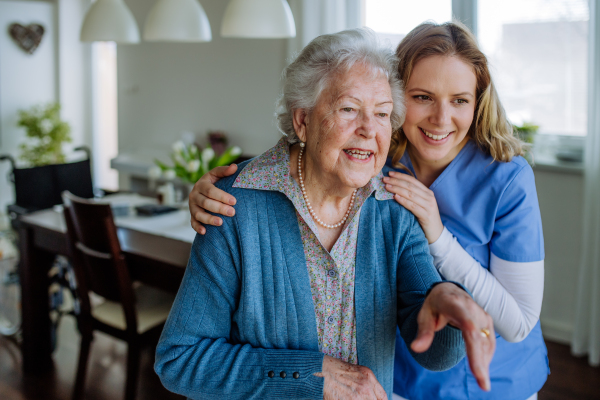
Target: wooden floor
[
  {"x": 105, "y": 377},
  {"x": 571, "y": 378}
]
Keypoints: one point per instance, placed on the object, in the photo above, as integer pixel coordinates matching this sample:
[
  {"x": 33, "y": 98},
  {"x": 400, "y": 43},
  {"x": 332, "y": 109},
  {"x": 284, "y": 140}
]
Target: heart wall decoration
[{"x": 27, "y": 37}]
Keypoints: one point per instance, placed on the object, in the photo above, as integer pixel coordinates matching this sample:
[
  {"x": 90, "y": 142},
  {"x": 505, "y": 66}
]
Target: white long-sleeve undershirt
[{"x": 511, "y": 292}]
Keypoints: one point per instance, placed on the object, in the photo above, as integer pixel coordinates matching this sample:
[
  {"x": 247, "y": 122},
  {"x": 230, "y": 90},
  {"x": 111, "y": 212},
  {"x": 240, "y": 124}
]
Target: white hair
[{"x": 327, "y": 55}]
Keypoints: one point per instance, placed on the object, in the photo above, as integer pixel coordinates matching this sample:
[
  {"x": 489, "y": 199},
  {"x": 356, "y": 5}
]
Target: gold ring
[{"x": 485, "y": 332}]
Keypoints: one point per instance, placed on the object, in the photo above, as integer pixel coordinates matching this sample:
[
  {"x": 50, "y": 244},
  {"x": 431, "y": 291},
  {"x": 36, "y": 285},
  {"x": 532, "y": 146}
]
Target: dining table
[{"x": 156, "y": 249}]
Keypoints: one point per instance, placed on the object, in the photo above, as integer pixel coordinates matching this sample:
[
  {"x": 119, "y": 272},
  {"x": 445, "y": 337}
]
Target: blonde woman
[{"x": 460, "y": 172}]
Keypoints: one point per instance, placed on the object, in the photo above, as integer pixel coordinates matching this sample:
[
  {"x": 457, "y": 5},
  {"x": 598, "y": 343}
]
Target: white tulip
[
  {"x": 179, "y": 160},
  {"x": 154, "y": 172},
  {"x": 170, "y": 174},
  {"x": 178, "y": 146},
  {"x": 235, "y": 151},
  {"x": 193, "y": 166},
  {"x": 187, "y": 137},
  {"x": 208, "y": 154}
]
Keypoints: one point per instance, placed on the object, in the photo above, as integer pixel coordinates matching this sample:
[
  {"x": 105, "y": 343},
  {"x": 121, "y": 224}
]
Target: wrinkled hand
[
  {"x": 348, "y": 381},
  {"x": 448, "y": 304},
  {"x": 419, "y": 200},
  {"x": 206, "y": 197}
]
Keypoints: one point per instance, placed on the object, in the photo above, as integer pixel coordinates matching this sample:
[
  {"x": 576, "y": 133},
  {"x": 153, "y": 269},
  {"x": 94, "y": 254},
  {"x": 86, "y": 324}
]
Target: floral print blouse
[{"x": 331, "y": 273}]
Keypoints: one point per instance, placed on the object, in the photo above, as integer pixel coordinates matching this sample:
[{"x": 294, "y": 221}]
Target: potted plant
[
  {"x": 39, "y": 183},
  {"x": 526, "y": 132},
  {"x": 190, "y": 163},
  {"x": 46, "y": 134}
]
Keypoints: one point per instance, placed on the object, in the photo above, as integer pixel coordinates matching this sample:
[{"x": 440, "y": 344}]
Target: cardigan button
[
  {"x": 331, "y": 273},
  {"x": 283, "y": 374},
  {"x": 271, "y": 374},
  {"x": 296, "y": 375},
  {"x": 330, "y": 320}
]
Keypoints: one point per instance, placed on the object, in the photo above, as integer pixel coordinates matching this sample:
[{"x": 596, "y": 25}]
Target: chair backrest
[{"x": 98, "y": 261}]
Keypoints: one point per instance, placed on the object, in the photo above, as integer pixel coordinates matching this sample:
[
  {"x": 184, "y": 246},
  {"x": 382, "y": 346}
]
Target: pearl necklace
[{"x": 310, "y": 209}]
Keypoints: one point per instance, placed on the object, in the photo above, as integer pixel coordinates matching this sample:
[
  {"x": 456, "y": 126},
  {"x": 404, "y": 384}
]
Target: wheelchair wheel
[
  {"x": 63, "y": 295},
  {"x": 10, "y": 298}
]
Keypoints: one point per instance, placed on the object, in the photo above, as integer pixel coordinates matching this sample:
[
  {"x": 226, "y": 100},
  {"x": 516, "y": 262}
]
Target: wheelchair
[{"x": 39, "y": 188}]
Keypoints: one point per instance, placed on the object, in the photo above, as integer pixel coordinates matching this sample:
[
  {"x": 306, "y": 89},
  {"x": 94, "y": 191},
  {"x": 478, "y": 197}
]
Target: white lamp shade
[
  {"x": 177, "y": 21},
  {"x": 110, "y": 21},
  {"x": 258, "y": 19}
]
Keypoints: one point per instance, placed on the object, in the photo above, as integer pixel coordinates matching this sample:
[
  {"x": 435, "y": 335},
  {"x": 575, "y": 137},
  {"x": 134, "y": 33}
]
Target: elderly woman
[{"x": 299, "y": 294}]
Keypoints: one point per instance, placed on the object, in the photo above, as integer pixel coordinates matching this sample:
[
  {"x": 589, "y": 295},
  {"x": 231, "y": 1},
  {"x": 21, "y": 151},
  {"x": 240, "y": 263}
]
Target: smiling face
[
  {"x": 348, "y": 132},
  {"x": 440, "y": 106}
]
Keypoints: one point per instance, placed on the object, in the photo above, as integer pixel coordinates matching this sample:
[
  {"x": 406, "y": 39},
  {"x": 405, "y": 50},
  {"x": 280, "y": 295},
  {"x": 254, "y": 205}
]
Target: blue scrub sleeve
[{"x": 518, "y": 235}]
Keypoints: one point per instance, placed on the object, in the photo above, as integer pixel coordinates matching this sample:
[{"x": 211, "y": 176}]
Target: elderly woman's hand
[
  {"x": 206, "y": 197},
  {"x": 419, "y": 200},
  {"x": 349, "y": 381},
  {"x": 448, "y": 304}
]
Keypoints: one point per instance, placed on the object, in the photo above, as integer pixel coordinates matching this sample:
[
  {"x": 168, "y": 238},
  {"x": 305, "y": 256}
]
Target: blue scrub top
[{"x": 490, "y": 207}]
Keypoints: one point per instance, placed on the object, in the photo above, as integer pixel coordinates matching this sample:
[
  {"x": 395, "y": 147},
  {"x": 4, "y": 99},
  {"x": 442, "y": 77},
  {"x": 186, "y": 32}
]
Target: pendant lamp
[
  {"x": 177, "y": 21},
  {"x": 258, "y": 19},
  {"x": 109, "y": 20}
]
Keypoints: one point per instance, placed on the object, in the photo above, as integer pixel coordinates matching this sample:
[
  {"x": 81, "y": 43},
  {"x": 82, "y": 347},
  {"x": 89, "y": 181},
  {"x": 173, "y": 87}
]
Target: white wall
[
  {"x": 226, "y": 84},
  {"x": 56, "y": 71},
  {"x": 25, "y": 79},
  {"x": 74, "y": 71},
  {"x": 560, "y": 195}
]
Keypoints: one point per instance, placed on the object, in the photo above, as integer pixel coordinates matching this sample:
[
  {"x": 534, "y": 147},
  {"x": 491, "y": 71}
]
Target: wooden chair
[{"x": 131, "y": 312}]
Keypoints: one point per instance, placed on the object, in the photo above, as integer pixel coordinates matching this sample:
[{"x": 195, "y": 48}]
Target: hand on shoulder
[{"x": 205, "y": 196}]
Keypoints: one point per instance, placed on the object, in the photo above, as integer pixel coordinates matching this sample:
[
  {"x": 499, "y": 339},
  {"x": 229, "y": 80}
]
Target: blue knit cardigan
[{"x": 243, "y": 322}]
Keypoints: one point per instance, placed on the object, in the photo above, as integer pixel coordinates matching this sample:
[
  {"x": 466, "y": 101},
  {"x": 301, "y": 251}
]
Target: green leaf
[
  {"x": 225, "y": 159},
  {"x": 46, "y": 133},
  {"x": 163, "y": 166}
]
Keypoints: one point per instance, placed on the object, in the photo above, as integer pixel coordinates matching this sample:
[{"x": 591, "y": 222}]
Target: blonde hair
[{"x": 490, "y": 129}]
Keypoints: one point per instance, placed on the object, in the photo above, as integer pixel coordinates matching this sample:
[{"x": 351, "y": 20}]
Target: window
[
  {"x": 538, "y": 50},
  {"x": 393, "y": 19},
  {"x": 105, "y": 114}
]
